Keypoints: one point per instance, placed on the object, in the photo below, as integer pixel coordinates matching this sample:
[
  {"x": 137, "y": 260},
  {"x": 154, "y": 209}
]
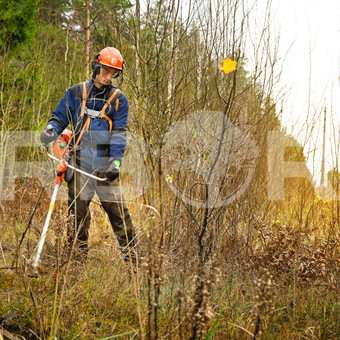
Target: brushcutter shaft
[
  {"x": 44, "y": 232},
  {"x": 62, "y": 166}
]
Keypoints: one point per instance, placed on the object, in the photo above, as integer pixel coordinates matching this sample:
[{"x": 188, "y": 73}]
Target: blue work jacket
[{"x": 98, "y": 146}]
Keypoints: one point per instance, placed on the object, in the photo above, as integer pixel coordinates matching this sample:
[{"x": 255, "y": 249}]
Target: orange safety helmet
[{"x": 109, "y": 57}]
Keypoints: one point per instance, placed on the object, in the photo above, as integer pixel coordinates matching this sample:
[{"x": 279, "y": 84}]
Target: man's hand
[
  {"x": 47, "y": 136},
  {"x": 113, "y": 171}
]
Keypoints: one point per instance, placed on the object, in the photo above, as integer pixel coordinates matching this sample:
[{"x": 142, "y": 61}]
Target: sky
[
  {"x": 309, "y": 50},
  {"x": 310, "y": 38}
]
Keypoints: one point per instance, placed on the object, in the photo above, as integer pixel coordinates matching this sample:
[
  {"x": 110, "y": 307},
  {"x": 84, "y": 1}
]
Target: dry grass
[{"x": 282, "y": 286}]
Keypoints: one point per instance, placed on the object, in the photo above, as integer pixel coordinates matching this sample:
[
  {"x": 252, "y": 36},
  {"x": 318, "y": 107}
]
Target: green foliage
[
  {"x": 214, "y": 328},
  {"x": 17, "y": 21},
  {"x": 34, "y": 79},
  {"x": 52, "y": 12},
  {"x": 120, "y": 335},
  {"x": 106, "y": 6}
]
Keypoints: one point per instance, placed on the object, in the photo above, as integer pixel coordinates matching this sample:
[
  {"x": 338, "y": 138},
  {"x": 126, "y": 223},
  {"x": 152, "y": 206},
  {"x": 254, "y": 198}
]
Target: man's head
[{"x": 107, "y": 64}]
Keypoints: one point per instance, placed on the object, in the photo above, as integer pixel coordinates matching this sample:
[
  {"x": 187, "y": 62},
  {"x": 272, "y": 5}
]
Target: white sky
[
  {"x": 311, "y": 67},
  {"x": 309, "y": 33}
]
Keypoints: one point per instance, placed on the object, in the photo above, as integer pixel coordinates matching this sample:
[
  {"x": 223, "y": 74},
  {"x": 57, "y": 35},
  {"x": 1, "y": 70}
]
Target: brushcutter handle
[{"x": 76, "y": 169}]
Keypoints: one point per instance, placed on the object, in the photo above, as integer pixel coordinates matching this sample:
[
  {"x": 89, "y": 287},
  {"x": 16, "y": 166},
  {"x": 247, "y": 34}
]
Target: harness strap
[
  {"x": 85, "y": 127},
  {"x": 102, "y": 112},
  {"x": 83, "y": 104}
]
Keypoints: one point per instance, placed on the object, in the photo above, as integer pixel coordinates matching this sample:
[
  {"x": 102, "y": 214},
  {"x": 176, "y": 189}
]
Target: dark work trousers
[{"x": 81, "y": 190}]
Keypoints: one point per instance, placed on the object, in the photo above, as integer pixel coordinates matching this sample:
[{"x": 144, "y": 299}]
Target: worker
[{"x": 97, "y": 113}]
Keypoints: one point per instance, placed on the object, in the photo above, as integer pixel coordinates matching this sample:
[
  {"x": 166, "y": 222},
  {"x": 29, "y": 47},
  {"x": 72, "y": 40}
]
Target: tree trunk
[{"x": 87, "y": 39}]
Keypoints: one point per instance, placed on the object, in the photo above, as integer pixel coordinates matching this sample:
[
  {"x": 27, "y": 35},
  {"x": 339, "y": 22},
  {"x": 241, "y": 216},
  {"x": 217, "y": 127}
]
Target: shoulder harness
[{"x": 112, "y": 98}]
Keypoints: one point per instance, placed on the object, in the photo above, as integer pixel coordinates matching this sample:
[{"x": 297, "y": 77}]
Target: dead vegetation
[{"x": 283, "y": 285}]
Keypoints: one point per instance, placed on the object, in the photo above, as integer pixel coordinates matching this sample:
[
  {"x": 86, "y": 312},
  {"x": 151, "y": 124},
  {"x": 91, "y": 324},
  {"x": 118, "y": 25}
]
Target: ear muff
[{"x": 95, "y": 66}]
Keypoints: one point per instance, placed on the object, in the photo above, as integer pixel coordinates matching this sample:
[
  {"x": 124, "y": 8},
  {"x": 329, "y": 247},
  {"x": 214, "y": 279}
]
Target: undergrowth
[{"x": 284, "y": 285}]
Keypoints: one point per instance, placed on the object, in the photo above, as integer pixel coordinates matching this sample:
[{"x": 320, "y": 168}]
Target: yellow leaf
[
  {"x": 228, "y": 65},
  {"x": 170, "y": 178}
]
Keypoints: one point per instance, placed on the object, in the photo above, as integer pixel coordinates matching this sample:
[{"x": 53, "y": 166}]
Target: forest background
[{"x": 235, "y": 240}]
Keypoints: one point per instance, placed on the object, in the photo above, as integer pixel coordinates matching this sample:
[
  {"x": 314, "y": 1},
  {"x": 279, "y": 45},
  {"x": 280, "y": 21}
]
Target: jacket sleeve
[
  {"x": 119, "y": 130},
  {"x": 62, "y": 115}
]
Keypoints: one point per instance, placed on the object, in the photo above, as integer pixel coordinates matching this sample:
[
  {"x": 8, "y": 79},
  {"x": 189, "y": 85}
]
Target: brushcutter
[{"x": 63, "y": 154}]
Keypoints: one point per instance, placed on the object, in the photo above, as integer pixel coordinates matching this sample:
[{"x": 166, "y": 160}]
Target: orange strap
[
  {"x": 83, "y": 105},
  {"x": 108, "y": 119},
  {"x": 85, "y": 127},
  {"x": 102, "y": 112}
]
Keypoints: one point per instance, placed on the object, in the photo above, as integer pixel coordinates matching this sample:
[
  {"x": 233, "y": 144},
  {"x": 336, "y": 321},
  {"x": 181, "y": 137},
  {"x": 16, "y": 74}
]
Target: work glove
[
  {"x": 48, "y": 136},
  {"x": 113, "y": 171}
]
